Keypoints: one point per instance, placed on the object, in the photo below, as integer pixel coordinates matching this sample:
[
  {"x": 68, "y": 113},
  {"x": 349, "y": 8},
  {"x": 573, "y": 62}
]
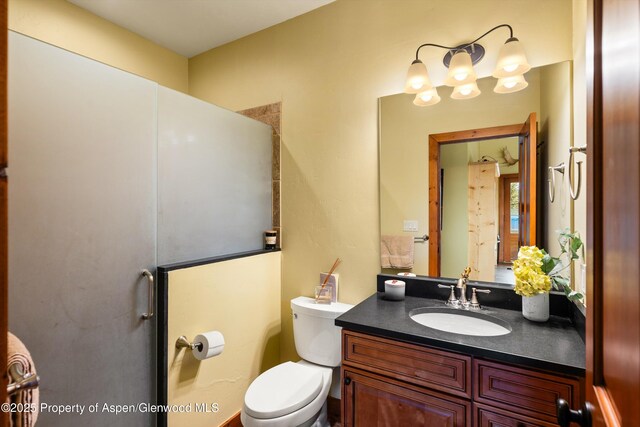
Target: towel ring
[
  {"x": 575, "y": 194},
  {"x": 551, "y": 180}
]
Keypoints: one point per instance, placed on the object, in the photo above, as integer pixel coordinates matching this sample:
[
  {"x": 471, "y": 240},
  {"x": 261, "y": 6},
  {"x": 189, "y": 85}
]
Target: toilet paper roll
[{"x": 212, "y": 344}]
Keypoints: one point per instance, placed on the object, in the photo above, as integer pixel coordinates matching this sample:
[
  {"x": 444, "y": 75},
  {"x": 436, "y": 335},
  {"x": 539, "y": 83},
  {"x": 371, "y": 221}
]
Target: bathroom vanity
[{"x": 397, "y": 372}]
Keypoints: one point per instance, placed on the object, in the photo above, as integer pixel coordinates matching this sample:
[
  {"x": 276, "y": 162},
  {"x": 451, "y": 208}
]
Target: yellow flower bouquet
[
  {"x": 530, "y": 279},
  {"x": 536, "y": 271}
]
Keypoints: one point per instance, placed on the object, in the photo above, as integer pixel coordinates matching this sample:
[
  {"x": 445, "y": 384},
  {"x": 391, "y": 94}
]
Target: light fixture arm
[{"x": 450, "y": 48}]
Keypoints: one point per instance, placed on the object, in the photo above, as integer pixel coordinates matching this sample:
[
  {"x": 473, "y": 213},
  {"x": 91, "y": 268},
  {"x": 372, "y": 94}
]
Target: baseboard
[{"x": 233, "y": 421}]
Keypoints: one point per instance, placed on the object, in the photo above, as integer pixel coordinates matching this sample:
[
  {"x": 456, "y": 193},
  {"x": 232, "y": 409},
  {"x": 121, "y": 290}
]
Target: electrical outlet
[{"x": 410, "y": 225}]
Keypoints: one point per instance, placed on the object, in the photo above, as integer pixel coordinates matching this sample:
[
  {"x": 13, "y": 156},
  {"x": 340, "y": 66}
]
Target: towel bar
[{"x": 21, "y": 380}]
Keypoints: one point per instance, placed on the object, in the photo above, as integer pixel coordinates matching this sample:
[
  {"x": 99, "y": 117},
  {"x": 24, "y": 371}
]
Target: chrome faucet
[{"x": 462, "y": 285}]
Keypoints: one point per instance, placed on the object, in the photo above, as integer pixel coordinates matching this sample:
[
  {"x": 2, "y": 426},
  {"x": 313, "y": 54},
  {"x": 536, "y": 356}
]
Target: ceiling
[{"x": 190, "y": 27}]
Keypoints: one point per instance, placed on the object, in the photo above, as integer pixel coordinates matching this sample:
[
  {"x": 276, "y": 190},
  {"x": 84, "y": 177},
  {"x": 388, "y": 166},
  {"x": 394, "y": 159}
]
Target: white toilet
[{"x": 295, "y": 394}]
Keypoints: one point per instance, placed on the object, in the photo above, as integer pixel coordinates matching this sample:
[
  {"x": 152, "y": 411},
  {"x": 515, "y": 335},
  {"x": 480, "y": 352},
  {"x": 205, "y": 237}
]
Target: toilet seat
[{"x": 282, "y": 390}]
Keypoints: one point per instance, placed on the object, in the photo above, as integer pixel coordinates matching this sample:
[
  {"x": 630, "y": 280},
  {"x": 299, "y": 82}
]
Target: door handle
[
  {"x": 149, "y": 314},
  {"x": 566, "y": 415}
]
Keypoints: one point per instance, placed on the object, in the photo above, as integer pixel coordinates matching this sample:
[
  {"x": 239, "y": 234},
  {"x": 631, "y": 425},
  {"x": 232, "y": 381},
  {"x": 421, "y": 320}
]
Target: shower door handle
[{"x": 149, "y": 314}]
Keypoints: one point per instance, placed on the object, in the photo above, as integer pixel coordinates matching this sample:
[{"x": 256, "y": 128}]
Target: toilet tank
[{"x": 316, "y": 336}]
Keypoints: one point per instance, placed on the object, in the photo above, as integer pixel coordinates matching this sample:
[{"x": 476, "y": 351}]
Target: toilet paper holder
[{"x": 183, "y": 342}]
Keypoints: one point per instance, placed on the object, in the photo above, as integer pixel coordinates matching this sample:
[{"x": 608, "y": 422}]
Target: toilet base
[
  {"x": 321, "y": 419},
  {"x": 314, "y": 414}
]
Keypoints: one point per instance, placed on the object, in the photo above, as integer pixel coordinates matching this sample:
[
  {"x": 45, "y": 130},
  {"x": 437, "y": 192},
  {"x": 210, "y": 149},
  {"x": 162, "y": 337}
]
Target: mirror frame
[{"x": 527, "y": 172}]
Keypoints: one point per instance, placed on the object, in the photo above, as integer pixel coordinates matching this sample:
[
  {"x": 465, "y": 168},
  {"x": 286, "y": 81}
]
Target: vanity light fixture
[
  {"x": 417, "y": 78},
  {"x": 467, "y": 91},
  {"x": 461, "y": 70},
  {"x": 510, "y": 68},
  {"x": 510, "y": 84},
  {"x": 427, "y": 97}
]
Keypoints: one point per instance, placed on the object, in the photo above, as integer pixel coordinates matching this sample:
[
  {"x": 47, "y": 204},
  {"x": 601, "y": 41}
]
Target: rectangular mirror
[{"x": 459, "y": 172}]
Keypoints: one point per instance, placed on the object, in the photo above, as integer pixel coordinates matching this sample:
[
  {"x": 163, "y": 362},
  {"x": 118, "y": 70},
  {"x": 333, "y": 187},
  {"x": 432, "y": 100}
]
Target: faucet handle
[
  {"x": 453, "y": 301},
  {"x": 475, "y": 305}
]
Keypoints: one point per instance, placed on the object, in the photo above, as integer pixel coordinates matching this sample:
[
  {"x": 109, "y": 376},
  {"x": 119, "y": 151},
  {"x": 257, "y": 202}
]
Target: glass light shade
[
  {"x": 466, "y": 91},
  {"x": 460, "y": 70},
  {"x": 510, "y": 84},
  {"x": 426, "y": 98},
  {"x": 417, "y": 78},
  {"x": 511, "y": 60}
]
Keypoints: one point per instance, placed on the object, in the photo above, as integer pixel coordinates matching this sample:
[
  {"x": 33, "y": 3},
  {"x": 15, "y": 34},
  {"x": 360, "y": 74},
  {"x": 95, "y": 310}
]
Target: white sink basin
[{"x": 460, "y": 322}]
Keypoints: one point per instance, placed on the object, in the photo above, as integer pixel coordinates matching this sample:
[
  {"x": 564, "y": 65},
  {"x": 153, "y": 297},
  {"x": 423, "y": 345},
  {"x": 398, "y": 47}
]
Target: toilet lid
[{"x": 282, "y": 390}]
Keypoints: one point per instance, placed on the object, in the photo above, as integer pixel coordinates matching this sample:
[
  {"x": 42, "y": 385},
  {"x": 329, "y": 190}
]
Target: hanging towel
[
  {"x": 396, "y": 252},
  {"x": 18, "y": 353}
]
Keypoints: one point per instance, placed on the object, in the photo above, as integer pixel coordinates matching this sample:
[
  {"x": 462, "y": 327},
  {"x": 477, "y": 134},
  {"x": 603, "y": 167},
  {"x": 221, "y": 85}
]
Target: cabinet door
[
  {"x": 425, "y": 367},
  {"x": 525, "y": 391},
  {"x": 370, "y": 401},
  {"x": 486, "y": 416}
]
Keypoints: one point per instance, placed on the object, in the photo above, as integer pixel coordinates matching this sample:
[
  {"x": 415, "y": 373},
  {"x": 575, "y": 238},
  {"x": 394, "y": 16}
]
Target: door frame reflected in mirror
[{"x": 527, "y": 175}]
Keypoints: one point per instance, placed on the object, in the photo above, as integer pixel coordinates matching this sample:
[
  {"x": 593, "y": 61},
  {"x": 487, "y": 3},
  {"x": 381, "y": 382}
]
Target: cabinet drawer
[
  {"x": 423, "y": 366},
  {"x": 370, "y": 400},
  {"x": 523, "y": 391},
  {"x": 486, "y": 416}
]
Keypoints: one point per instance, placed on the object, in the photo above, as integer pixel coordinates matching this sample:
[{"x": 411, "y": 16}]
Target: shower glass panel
[
  {"x": 214, "y": 182},
  {"x": 82, "y": 227},
  {"x": 112, "y": 174}
]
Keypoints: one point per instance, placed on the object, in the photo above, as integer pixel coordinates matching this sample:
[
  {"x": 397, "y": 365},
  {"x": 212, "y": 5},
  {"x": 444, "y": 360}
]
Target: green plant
[{"x": 554, "y": 267}]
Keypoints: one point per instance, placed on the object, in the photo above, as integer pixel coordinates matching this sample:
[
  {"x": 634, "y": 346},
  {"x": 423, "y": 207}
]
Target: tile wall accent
[{"x": 271, "y": 115}]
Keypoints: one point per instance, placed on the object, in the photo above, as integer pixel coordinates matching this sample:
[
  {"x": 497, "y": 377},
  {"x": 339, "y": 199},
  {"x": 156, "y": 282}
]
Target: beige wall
[
  {"x": 328, "y": 67},
  {"x": 404, "y": 153},
  {"x": 241, "y": 299},
  {"x": 454, "y": 245},
  {"x": 67, "y": 26},
  {"x": 555, "y": 130}
]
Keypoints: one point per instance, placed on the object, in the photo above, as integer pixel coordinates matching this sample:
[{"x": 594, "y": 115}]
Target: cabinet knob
[
  {"x": 566, "y": 415},
  {"x": 347, "y": 380}
]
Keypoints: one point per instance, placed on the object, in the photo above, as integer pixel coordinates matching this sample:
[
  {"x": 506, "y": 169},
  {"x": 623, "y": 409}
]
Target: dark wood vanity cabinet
[
  {"x": 393, "y": 383},
  {"x": 373, "y": 400}
]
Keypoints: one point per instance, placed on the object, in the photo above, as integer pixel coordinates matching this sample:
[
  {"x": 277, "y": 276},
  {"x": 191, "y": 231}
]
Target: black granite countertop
[{"x": 554, "y": 345}]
